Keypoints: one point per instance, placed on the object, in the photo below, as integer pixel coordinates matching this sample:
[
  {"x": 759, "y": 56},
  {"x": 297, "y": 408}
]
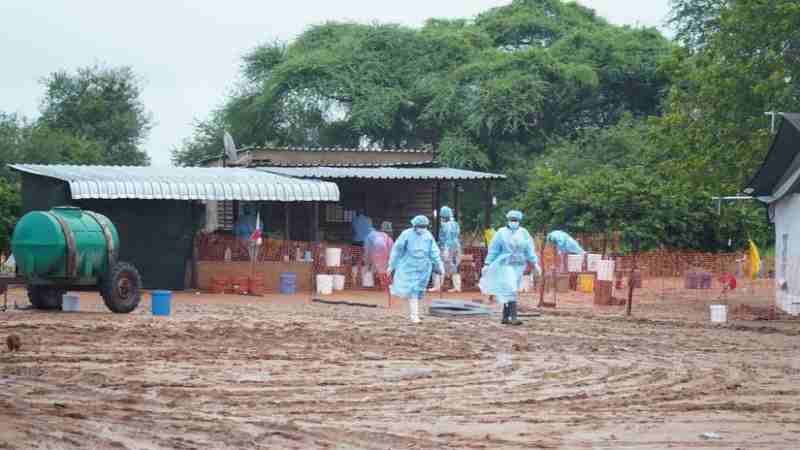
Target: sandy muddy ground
[{"x": 226, "y": 372}]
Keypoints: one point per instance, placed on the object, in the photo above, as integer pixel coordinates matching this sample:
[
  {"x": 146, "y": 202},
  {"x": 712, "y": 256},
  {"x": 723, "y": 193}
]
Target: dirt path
[{"x": 258, "y": 374}]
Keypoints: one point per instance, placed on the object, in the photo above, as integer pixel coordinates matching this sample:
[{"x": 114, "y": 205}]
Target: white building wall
[{"x": 787, "y": 253}]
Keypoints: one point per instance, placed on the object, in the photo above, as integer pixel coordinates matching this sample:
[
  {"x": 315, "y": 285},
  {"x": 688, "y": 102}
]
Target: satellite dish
[{"x": 230, "y": 146}]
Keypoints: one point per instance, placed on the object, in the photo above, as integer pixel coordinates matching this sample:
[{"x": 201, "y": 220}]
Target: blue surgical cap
[
  {"x": 420, "y": 221},
  {"x": 446, "y": 212},
  {"x": 514, "y": 214}
]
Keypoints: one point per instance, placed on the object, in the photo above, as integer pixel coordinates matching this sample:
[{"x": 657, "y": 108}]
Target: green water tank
[
  {"x": 64, "y": 243},
  {"x": 67, "y": 249}
]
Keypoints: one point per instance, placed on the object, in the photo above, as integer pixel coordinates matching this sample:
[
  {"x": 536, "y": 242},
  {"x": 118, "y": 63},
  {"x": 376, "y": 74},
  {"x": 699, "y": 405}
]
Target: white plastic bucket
[
  {"x": 527, "y": 283},
  {"x": 70, "y": 303},
  {"x": 324, "y": 284},
  {"x": 719, "y": 313},
  {"x": 368, "y": 279},
  {"x": 338, "y": 282},
  {"x": 574, "y": 263},
  {"x": 592, "y": 260},
  {"x": 333, "y": 257},
  {"x": 605, "y": 270}
]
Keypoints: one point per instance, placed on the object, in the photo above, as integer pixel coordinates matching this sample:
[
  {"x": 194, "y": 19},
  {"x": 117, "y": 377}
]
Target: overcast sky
[{"x": 188, "y": 52}]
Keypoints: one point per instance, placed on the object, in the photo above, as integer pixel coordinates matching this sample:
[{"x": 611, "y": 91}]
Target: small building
[
  {"x": 391, "y": 185},
  {"x": 159, "y": 211},
  {"x": 388, "y": 184},
  {"x": 190, "y": 227},
  {"x": 777, "y": 183}
]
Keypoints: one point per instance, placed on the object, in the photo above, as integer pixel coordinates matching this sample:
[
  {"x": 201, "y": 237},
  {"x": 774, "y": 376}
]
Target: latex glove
[
  {"x": 538, "y": 270},
  {"x": 483, "y": 271}
]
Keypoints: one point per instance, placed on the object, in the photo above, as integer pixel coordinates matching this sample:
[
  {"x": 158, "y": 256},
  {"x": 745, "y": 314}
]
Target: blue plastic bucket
[
  {"x": 161, "y": 302},
  {"x": 288, "y": 283}
]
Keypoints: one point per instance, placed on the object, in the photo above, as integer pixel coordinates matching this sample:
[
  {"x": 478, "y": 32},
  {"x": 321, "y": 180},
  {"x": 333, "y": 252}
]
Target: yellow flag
[
  {"x": 488, "y": 235},
  {"x": 755, "y": 260}
]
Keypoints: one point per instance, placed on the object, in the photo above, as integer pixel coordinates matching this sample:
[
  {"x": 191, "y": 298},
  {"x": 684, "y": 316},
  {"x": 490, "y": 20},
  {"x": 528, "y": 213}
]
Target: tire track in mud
[{"x": 365, "y": 379}]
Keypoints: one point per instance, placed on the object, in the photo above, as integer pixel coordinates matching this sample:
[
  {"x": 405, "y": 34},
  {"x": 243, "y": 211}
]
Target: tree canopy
[
  {"x": 480, "y": 91},
  {"x": 598, "y": 126},
  {"x": 94, "y": 116},
  {"x": 99, "y": 104}
]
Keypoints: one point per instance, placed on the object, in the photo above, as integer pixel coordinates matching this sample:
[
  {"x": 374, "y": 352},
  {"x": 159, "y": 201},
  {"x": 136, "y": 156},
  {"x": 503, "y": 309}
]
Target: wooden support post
[
  {"x": 195, "y": 262},
  {"x": 456, "y": 203},
  {"x": 541, "y": 261},
  {"x": 314, "y": 245},
  {"x": 311, "y": 226},
  {"x": 630, "y": 286},
  {"x": 437, "y": 193},
  {"x": 315, "y": 222},
  {"x": 286, "y": 209},
  {"x": 487, "y": 214}
]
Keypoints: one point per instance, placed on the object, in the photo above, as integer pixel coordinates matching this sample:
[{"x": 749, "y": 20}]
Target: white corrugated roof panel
[
  {"x": 386, "y": 173},
  {"x": 183, "y": 183}
]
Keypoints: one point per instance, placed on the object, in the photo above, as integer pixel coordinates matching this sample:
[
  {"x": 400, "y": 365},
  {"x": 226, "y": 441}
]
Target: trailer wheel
[
  {"x": 121, "y": 288},
  {"x": 46, "y": 297}
]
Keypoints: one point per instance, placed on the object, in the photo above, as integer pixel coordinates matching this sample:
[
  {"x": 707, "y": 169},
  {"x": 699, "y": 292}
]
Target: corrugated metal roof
[
  {"x": 182, "y": 183},
  {"x": 343, "y": 149},
  {"x": 390, "y": 173},
  {"x": 261, "y": 163},
  {"x": 250, "y": 156}
]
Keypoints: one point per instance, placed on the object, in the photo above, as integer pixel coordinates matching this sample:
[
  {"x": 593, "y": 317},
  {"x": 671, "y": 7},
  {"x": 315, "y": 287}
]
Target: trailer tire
[
  {"x": 121, "y": 288},
  {"x": 47, "y": 298}
]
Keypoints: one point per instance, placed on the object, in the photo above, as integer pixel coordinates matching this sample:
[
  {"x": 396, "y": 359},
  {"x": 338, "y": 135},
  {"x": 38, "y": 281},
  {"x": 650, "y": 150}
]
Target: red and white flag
[{"x": 256, "y": 236}]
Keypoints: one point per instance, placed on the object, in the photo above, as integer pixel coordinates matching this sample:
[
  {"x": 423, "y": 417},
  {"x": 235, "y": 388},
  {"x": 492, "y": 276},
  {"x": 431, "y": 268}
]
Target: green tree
[
  {"x": 488, "y": 93},
  {"x": 22, "y": 141},
  {"x": 623, "y": 179},
  {"x": 9, "y": 211},
  {"x": 749, "y": 63},
  {"x": 99, "y": 104},
  {"x": 25, "y": 142},
  {"x": 695, "y": 21}
]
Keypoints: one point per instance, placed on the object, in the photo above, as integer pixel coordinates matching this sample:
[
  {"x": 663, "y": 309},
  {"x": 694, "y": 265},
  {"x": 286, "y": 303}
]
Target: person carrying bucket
[
  {"x": 414, "y": 257},
  {"x": 510, "y": 251},
  {"x": 450, "y": 246},
  {"x": 377, "y": 249},
  {"x": 564, "y": 244}
]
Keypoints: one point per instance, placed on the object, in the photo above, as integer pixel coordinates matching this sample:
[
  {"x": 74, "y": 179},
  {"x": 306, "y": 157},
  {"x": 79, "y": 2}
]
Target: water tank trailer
[{"x": 69, "y": 249}]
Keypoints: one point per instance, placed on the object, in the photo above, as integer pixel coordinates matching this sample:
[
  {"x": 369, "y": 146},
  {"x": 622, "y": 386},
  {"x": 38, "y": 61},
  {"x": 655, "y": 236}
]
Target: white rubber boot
[
  {"x": 413, "y": 310},
  {"x": 437, "y": 283},
  {"x": 456, "y": 283}
]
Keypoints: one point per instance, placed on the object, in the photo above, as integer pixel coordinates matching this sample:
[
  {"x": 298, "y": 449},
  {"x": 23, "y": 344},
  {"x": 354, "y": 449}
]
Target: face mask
[{"x": 513, "y": 225}]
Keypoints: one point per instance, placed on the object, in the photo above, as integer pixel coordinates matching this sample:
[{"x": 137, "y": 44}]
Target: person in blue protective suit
[
  {"x": 246, "y": 223},
  {"x": 509, "y": 253},
  {"x": 414, "y": 257},
  {"x": 450, "y": 246},
  {"x": 564, "y": 243},
  {"x": 362, "y": 226}
]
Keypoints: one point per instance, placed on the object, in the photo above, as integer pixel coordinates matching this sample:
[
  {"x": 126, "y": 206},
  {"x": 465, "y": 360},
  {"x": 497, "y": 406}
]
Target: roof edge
[
  {"x": 784, "y": 119},
  {"x": 392, "y": 173},
  {"x": 203, "y": 184}
]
